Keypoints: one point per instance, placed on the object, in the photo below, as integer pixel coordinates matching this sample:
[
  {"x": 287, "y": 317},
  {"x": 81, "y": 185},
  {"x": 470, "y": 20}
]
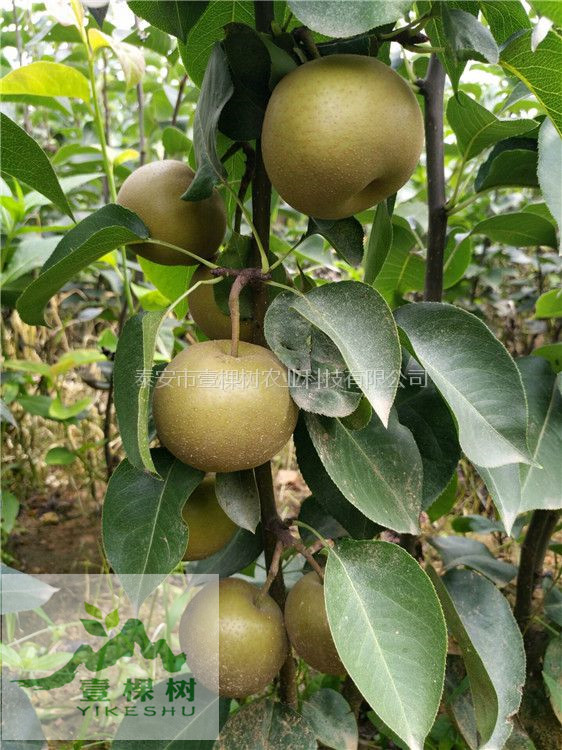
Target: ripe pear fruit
[
  {"x": 340, "y": 134},
  {"x": 307, "y": 625},
  {"x": 222, "y": 413},
  {"x": 208, "y": 315},
  {"x": 154, "y": 193},
  {"x": 210, "y": 529},
  {"x": 245, "y": 626}
]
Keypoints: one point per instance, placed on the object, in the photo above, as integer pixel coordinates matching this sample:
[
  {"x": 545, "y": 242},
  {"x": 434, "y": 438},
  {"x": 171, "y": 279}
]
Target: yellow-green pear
[
  {"x": 233, "y": 635},
  {"x": 340, "y": 134},
  {"x": 307, "y": 625},
  {"x": 154, "y": 193},
  {"x": 208, "y": 315},
  {"x": 210, "y": 529},
  {"x": 222, "y": 413}
]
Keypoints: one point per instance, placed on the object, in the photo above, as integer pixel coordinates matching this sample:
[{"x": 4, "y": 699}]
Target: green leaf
[
  {"x": 237, "y": 494},
  {"x": 60, "y": 456},
  {"x": 332, "y": 719},
  {"x": 457, "y": 259},
  {"x": 62, "y": 412},
  {"x": 175, "y": 142},
  {"x": 46, "y": 79},
  {"x": 209, "y": 29},
  {"x": 438, "y": 38},
  {"x": 242, "y": 550},
  {"x": 175, "y": 17},
  {"x": 144, "y": 536},
  {"x": 552, "y": 674},
  {"x": 378, "y": 470},
  {"x": 30, "y": 254},
  {"x": 344, "y": 235},
  {"x": 477, "y": 129},
  {"x": 401, "y": 270},
  {"x": 216, "y": 90},
  {"x": 475, "y": 375},
  {"x": 481, "y": 621},
  {"x": 380, "y": 242},
  {"x": 426, "y": 415},
  {"x": 504, "y": 17},
  {"x": 6, "y": 415},
  {"x": 511, "y": 163},
  {"x": 551, "y": 9},
  {"x": 112, "y": 619},
  {"x": 552, "y": 353},
  {"x": 356, "y": 318},
  {"x": 10, "y": 510},
  {"x": 550, "y": 169},
  {"x": 341, "y": 18},
  {"x": 94, "y": 628},
  {"x": 445, "y": 502},
  {"x": 539, "y": 70},
  {"x": 23, "y": 158},
  {"x": 553, "y": 603},
  {"x": 171, "y": 281},
  {"x": 133, "y": 382},
  {"x": 467, "y": 38},
  {"x": 93, "y": 611},
  {"x": 264, "y": 724},
  {"x": 389, "y": 631},
  {"x": 517, "y": 488},
  {"x": 458, "y": 551},
  {"x": 325, "y": 491},
  {"x": 519, "y": 229},
  {"x": 98, "y": 234},
  {"x": 549, "y": 304}
]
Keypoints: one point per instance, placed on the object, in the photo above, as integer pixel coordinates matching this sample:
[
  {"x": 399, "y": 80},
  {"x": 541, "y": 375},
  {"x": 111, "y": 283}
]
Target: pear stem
[{"x": 234, "y": 306}]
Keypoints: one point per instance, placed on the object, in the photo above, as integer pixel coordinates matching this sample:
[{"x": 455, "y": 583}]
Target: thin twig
[{"x": 179, "y": 97}]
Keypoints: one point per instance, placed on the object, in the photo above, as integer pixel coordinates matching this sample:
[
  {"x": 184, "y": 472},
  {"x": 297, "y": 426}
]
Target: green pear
[
  {"x": 340, "y": 134},
  {"x": 233, "y": 635},
  {"x": 222, "y": 413},
  {"x": 154, "y": 193},
  {"x": 210, "y": 529},
  {"x": 208, "y": 315},
  {"x": 307, "y": 625}
]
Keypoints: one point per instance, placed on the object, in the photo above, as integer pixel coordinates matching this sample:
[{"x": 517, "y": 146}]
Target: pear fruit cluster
[{"x": 235, "y": 640}]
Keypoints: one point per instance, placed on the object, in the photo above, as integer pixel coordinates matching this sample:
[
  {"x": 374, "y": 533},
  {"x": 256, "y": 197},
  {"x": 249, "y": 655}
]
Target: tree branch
[
  {"x": 432, "y": 88},
  {"x": 533, "y": 551},
  {"x": 261, "y": 208}
]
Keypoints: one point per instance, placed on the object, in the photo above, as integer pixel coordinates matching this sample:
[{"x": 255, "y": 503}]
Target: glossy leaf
[
  {"x": 24, "y": 159},
  {"x": 175, "y": 17},
  {"x": 426, "y": 415},
  {"x": 401, "y": 270},
  {"x": 332, "y": 719},
  {"x": 264, "y": 724},
  {"x": 460, "y": 551},
  {"x": 511, "y": 163},
  {"x": 477, "y": 129},
  {"x": 144, "y": 536},
  {"x": 467, "y": 38},
  {"x": 504, "y": 17},
  {"x": 60, "y": 456},
  {"x": 445, "y": 502},
  {"x": 237, "y": 494},
  {"x": 344, "y": 235},
  {"x": 482, "y": 623},
  {"x": 550, "y": 169},
  {"x": 552, "y": 353},
  {"x": 378, "y": 469},
  {"x": 519, "y": 229},
  {"x": 517, "y": 488},
  {"x": 539, "y": 70},
  {"x": 133, "y": 382},
  {"x": 171, "y": 281},
  {"x": 389, "y": 631},
  {"x": 46, "y": 79},
  {"x": 361, "y": 325},
  {"x": 475, "y": 375},
  {"x": 208, "y": 29},
  {"x": 456, "y": 260},
  {"x": 216, "y": 90},
  {"x": 342, "y": 18},
  {"x": 551, "y": 9},
  {"x": 380, "y": 242},
  {"x": 325, "y": 491},
  {"x": 549, "y": 304},
  {"x": 22, "y": 592},
  {"x": 102, "y": 231}
]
